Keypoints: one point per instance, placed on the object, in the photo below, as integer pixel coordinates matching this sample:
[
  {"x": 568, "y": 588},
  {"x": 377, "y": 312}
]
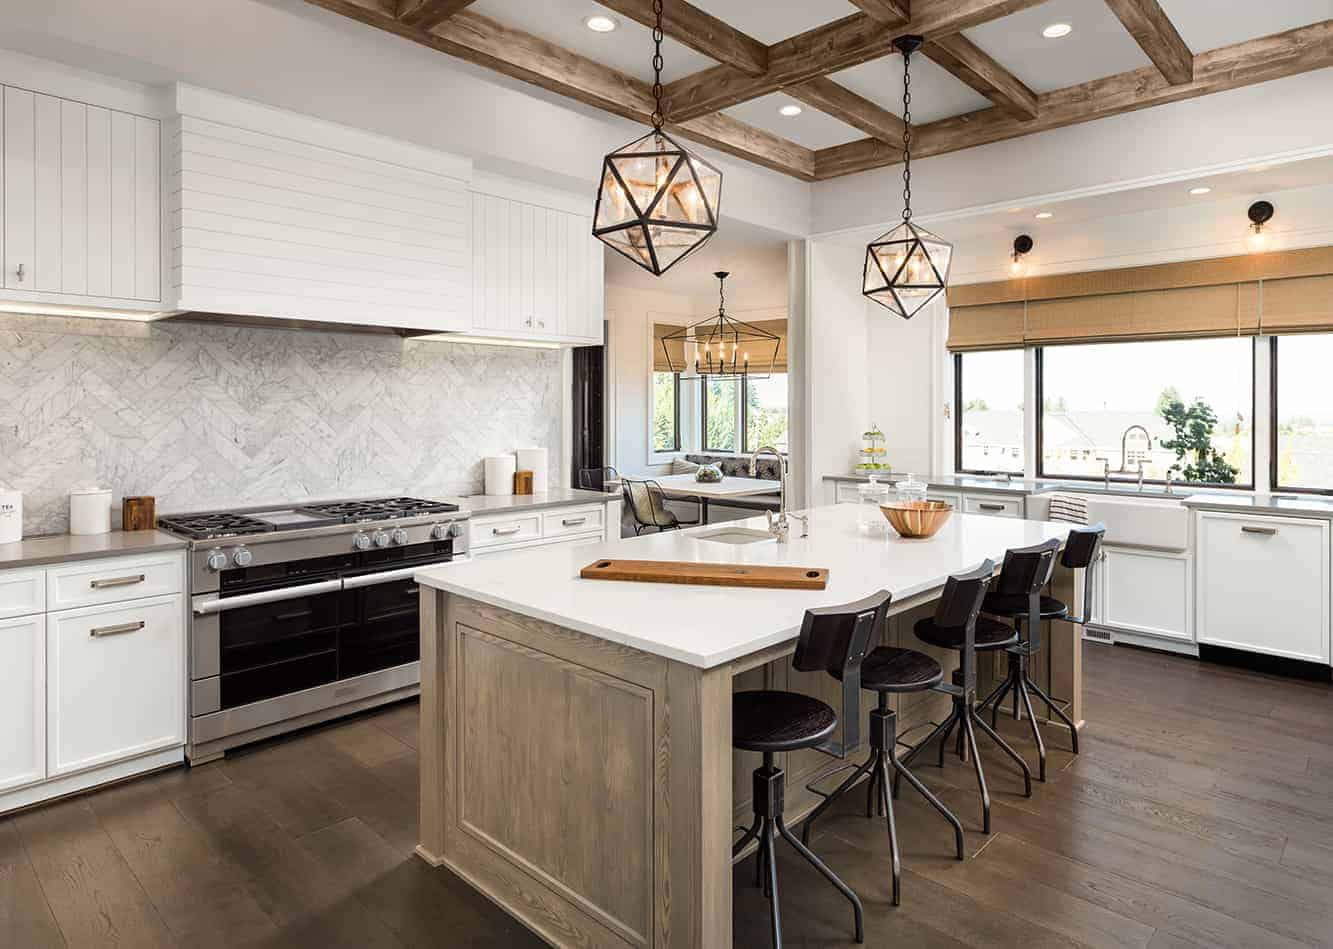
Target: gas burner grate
[
  {"x": 207, "y": 526},
  {"x": 380, "y": 509}
]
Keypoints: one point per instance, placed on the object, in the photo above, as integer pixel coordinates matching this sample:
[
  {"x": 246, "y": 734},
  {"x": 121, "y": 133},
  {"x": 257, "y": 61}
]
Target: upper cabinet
[
  {"x": 81, "y": 203},
  {"x": 281, "y": 215},
  {"x": 536, "y": 268}
]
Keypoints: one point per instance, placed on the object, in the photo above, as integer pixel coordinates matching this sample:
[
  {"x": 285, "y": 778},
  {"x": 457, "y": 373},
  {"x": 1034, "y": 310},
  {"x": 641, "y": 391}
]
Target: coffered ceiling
[{"x": 987, "y": 72}]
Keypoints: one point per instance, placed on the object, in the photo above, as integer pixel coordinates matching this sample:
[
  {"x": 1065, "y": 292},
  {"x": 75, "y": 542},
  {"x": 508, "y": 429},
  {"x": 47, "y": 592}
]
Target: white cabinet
[
  {"x": 22, "y": 700},
  {"x": 536, "y": 272},
  {"x": 1145, "y": 591},
  {"x": 82, "y": 203},
  {"x": 116, "y": 682},
  {"x": 520, "y": 530},
  {"x": 22, "y": 592},
  {"x": 1263, "y": 584},
  {"x": 994, "y": 505}
]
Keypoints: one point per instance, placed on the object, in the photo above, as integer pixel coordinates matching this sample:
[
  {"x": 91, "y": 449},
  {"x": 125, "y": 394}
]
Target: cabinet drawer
[
  {"x": 113, "y": 580},
  {"x": 955, "y": 501},
  {"x": 1263, "y": 584},
  {"x": 846, "y": 493},
  {"x": 998, "y": 507},
  {"x": 491, "y": 532},
  {"x": 22, "y": 592},
  {"x": 115, "y": 682},
  {"x": 580, "y": 521}
]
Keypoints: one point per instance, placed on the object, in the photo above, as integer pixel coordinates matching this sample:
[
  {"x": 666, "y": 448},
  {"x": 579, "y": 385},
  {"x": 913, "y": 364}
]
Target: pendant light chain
[
  {"x": 907, "y": 137},
  {"x": 658, "y": 118}
]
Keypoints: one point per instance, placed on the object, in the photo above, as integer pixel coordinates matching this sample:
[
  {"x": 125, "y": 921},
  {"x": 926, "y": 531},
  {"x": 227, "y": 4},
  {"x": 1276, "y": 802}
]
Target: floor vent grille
[{"x": 1098, "y": 635}]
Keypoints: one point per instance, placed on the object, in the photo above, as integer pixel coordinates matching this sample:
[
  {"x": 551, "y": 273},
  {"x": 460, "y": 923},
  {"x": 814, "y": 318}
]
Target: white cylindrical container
[
  {"x": 500, "y": 474},
  {"x": 11, "y": 516},
  {"x": 89, "y": 510},
  {"x": 534, "y": 460}
]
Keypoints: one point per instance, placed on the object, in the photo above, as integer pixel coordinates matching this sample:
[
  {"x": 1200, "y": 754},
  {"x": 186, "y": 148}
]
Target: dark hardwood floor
[{"x": 1199, "y": 814}]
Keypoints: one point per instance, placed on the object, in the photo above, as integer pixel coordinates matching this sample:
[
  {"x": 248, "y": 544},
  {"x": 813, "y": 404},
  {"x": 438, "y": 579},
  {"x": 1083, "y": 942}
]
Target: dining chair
[{"x": 648, "y": 505}]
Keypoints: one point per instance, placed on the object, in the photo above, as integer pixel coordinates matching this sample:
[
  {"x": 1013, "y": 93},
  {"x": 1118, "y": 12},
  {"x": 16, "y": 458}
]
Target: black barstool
[
  {"x": 1017, "y": 596},
  {"x": 958, "y": 625},
  {"x": 770, "y": 722},
  {"x": 887, "y": 670}
]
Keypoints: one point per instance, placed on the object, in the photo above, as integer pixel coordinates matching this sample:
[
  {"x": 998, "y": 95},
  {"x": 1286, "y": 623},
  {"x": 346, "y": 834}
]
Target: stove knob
[
  {"x": 242, "y": 557},
  {"x": 216, "y": 560},
  {"x": 381, "y": 539},
  {"x": 440, "y": 531},
  {"x": 361, "y": 540},
  {"x": 400, "y": 536},
  {"x": 455, "y": 530}
]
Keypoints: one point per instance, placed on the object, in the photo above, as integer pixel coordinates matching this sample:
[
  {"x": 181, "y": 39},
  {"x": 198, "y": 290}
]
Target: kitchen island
[{"x": 576, "y": 759}]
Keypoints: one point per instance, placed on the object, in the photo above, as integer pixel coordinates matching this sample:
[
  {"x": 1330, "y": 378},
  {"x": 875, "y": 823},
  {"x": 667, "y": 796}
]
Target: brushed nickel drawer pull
[
  {"x": 991, "y": 507},
  {"x": 117, "y": 629},
  {"x": 506, "y": 531},
  {"x": 574, "y": 521},
  {"x": 1266, "y": 531},
  {"x": 117, "y": 581}
]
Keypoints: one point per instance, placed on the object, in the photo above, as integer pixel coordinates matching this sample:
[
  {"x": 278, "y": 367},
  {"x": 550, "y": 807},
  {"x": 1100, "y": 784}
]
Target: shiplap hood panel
[{"x": 276, "y": 215}]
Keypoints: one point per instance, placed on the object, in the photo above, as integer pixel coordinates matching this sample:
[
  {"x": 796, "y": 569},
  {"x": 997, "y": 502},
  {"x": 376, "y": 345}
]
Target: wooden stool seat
[
  {"x": 779, "y": 721},
  {"x": 991, "y": 634},
  {"x": 1016, "y": 604},
  {"x": 892, "y": 669}
]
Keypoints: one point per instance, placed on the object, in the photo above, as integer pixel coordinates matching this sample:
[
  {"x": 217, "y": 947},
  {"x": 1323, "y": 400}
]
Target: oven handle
[
  {"x": 388, "y": 576},
  {"x": 211, "y": 606}
]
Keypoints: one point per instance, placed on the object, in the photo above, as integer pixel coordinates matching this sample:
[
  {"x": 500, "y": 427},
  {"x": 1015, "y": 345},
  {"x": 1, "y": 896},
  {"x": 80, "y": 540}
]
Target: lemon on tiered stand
[{"x": 873, "y": 454}]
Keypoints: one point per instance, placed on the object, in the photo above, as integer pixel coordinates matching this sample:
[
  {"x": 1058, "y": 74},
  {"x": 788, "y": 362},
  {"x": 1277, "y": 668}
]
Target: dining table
[{"x": 685, "y": 487}]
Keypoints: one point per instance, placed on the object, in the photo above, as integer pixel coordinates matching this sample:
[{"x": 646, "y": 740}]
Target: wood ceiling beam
[
  {"x": 1155, "y": 33},
  {"x": 970, "y": 64},
  {"x": 827, "y": 49},
  {"x": 700, "y": 31},
  {"x": 428, "y": 14},
  {"x": 485, "y": 42},
  {"x": 892, "y": 12},
  {"x": 1289, "y": 53},
  {"x": 846, "y": 106}
]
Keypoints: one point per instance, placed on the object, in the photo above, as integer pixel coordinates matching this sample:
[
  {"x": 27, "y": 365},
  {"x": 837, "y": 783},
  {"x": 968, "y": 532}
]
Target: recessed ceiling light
[
  {"x": 790, "y": 110},
  {"x": 600, "y": 23},
  {"x": 1056, "y": 30},
  {"x": 1201, "y": 189},
  {"x": 1044, "y": 215}
]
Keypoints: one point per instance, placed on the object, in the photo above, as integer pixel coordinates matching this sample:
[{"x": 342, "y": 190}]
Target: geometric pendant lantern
[
  {"x": 722, "y": 347},
  {"x": 908, "y": 266},
  {"x": 657, "y": 202}
]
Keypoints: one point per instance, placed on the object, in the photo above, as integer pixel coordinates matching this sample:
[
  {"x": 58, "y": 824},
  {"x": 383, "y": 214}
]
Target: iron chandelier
[
  {"x": 657, "y": 202},
  {"x": 908, "y": 266},
  {"x": 722, "y": 347}
]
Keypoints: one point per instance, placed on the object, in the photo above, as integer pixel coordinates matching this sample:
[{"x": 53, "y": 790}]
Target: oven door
[{"x": 382, "y": 625}]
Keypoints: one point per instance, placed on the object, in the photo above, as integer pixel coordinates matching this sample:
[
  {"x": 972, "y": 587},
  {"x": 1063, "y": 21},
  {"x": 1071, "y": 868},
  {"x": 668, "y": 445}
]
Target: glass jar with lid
[
  {"x": 870, "y": 496},
  {"x": 912, "y": 489}
]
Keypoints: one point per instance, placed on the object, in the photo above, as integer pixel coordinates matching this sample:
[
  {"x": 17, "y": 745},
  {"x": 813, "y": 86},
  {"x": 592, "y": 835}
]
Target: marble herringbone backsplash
[{"x": 205, "y": 416}]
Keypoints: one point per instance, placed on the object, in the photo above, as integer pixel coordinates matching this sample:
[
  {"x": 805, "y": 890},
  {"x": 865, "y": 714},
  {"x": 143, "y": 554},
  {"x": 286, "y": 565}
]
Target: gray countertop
[
  {"x": 1280, "y": 504},
  {"x": 556, "y": 497},
  {"x": 1022, "y": 486},
  {"x": 59, "y": 548}
]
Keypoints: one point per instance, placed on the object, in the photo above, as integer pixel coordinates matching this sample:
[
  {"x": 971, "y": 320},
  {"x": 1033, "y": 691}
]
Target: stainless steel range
[{"x": 302, "y": 613}]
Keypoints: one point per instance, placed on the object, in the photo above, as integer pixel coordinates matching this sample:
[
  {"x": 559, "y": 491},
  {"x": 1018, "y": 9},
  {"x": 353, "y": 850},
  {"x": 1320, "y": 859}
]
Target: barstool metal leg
[
  {"x": 895, "y": 861},
  {"x": 828, "y": 874},
  {"x": 1036, "y": 730},
  {"x": 1058, "y": 712},
  {"x": 860, "y": 771},
  {"x": 934, "y": 802},
  {"x": 966, "y": 725},
  {"x": 1005, "y": 747},
  {"x": 771, "y": 884}
]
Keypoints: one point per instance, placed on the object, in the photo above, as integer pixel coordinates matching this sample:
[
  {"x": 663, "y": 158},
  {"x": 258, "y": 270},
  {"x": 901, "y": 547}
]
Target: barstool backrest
[
  {"x": 834, "y": 639},
  {"x": 959, "y": 607},
  {"x": 1026, "y": 570},
  {"x": 1080, "y": 553}
]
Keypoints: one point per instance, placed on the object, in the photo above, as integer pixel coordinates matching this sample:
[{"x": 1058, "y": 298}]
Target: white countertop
[
  {"x": 728, "y": 487},
  {"x": 556, "y": 497},
  {"x": 708, "y": 626}
]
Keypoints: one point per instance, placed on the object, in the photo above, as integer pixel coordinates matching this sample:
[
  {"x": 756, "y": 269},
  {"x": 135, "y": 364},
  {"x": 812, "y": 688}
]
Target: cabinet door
[
  {"x": 23, "y": 701},
  {"x": 115, "y": 682},
  {"x": 20, "y": 170},
  {"x": 1263, "y": 584},
  {"x": 1147, "y": 592}
]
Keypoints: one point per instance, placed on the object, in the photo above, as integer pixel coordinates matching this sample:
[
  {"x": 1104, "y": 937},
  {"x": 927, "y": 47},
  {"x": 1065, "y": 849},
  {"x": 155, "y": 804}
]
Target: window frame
[
  {"x": 958, "y": 421},
  {"x": 740, "y": 419},
  {"x": 1039, "y": 400},
  {"x": 744, "y": 411},
  {"x": 1273, "y": 485},
  {"x": 675, "y": 420}
]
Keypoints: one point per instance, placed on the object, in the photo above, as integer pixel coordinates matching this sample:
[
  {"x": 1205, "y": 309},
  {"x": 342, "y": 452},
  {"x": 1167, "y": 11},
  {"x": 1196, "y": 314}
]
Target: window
[
  {"x": 1302, "y": 413},
  {"x": 765, "y": 419},
  {"x": 666, "y": 411},
  {"x": 720, "y": 419},
  {"x": 1194, "y": 398},
  {"x": 988, "y": 423}
]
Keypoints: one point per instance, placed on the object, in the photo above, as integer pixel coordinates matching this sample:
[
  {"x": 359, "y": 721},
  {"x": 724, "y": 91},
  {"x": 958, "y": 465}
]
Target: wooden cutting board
[{"x": 708, "y": 574}]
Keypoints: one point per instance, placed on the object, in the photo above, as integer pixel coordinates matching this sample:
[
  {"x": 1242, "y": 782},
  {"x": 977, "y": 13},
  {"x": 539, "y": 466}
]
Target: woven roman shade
[
  {"x": 760, "y": 361},
  {"x": 1298, "y": 305},
  {"x": 988, "y": 326},
  {"x": 660, "y": 362},
  {"x": 779, "y": 329},
  {"x": 1227, "y": 310}
]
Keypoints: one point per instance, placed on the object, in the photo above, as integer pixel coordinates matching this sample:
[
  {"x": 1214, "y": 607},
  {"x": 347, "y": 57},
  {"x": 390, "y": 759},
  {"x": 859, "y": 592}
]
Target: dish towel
[{"x": 1068, "y": 507}]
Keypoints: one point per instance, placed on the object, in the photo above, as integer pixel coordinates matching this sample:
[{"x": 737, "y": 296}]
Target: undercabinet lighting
[
  {"x": 1201, "y": 189},
  {"x": 1044, "y": 215},
  {"x": 61, "y": 309},
  {"x": 1055, "y": 31},
  {"x": 487, "y": 341},
  {"x": 790, "y": 110},
  {"x": 600, "y": 23}
]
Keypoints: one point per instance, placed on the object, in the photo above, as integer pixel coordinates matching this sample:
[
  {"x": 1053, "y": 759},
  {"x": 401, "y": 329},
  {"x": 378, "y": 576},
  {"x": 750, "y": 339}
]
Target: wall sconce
[
  {"x": 1022, "y": 247},
  {"x": 1260, "y": 213}
]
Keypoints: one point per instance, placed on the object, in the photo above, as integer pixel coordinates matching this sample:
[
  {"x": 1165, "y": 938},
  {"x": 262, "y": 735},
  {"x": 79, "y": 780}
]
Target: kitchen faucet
[
  {"x": 780, "y": 528},
  {"x": 1122, "y": 469}
]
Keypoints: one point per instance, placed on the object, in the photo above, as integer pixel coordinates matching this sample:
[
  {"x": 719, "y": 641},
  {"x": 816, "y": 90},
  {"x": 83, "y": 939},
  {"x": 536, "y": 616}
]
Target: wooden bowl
[{"x": 917, "y": 518}]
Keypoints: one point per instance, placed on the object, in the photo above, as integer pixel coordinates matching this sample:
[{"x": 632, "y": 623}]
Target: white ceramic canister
[
  {"x": 500, "y": 474},
  {"x": 11, "y": 516},
  {"x": 89, "y": 510},
  {"x": 535, "y": 460}
]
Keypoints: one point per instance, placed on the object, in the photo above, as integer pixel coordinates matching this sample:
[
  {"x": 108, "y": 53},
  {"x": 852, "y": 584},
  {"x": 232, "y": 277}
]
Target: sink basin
[
  {"x": 737, "y": 535},
  {"x": 1160, "y": 523}
]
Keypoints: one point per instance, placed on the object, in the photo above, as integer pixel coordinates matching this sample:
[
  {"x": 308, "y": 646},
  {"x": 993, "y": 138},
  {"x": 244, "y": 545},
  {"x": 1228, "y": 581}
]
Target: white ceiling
[
  {"x": 772, "y": 20},
  {"x": 936, "y": 94},
  {"x": 811, "y": 128},
  {"x": 1207, "y": 24}
]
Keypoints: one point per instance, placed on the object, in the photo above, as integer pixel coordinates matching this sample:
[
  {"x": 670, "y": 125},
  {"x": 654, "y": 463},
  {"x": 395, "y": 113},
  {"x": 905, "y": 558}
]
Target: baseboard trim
[
  {"x": 1266, "y": 664},
  {"x": 69, "y": 785}
]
